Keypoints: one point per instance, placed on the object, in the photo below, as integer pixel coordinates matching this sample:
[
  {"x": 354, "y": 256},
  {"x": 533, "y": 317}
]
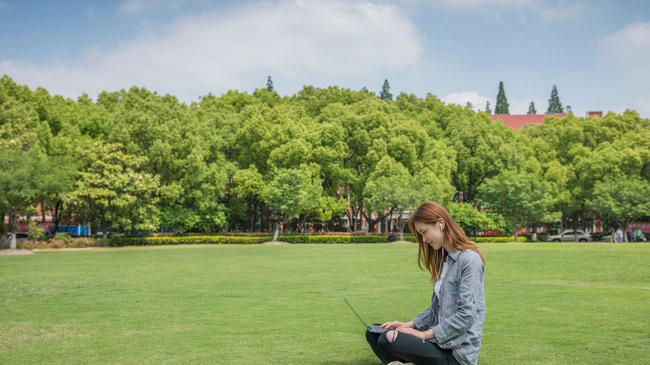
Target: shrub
[
  {"x": 181, "y": 240},
  {"x": 62, "y": 237},
  {"x": 61, "y": 243},
  {"x": 492, "y": 239}
]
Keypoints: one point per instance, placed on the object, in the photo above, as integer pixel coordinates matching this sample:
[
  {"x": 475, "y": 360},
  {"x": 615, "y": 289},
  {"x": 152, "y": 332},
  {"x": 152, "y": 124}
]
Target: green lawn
[{"x": 546, "y": 303}]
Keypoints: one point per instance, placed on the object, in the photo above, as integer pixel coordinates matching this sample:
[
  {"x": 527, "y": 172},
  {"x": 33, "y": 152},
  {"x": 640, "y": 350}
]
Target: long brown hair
[{"x": 432, "y": 212}]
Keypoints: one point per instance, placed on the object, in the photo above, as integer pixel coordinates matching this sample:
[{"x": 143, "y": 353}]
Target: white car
[{"x": 571, "y": 236}]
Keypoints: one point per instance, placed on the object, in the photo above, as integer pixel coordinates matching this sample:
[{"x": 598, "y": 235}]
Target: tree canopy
[{"x": 323, "y": 158}]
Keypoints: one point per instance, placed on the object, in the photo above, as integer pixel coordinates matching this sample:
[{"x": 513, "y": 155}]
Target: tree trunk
[
  {"x": 277, "y": 232},
  {"x": 57, "y": 217},
  {"x": 400, "y": 226},
  {"x": 533, "y": 235},
  {"x": 514, "y": 227},
  {"x": 12, "y": 223},
  {"x": 105, "y": 230}
]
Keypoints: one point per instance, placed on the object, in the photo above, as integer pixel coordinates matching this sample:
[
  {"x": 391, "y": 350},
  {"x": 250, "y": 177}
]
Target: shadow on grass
[{"x": 367, "y": 362}]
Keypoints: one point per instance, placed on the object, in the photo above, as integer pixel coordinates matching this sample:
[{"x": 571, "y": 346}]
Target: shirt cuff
[
  {"x": 440, "y": 334},
  {"x": 417, "y": 322}
]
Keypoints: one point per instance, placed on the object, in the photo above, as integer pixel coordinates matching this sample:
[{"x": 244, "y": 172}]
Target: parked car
[
  {"x": 571, "y": 236},
  {"x": 607, "y": 238}
]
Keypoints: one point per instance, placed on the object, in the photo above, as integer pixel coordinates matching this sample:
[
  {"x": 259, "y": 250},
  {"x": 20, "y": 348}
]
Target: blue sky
[{"x": 596, "y": 52}]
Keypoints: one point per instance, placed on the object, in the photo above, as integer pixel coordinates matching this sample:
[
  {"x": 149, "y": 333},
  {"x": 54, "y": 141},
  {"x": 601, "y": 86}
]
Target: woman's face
[{"x": 431, "y": 234}]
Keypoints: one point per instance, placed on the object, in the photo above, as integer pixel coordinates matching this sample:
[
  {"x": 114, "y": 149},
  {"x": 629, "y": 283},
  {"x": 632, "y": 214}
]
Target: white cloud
[
  {"x": 217, "y": 51},
  {"x": 461, "y": 98},
  {"x": 625, "y": 54},
  {"x": 562, "y": 12},
  {"x": 546, "y": 10},
  {"x": 481, "y": 4},
  {"x": 137, "y": 6},
  {"x": 629, "y": 48}
]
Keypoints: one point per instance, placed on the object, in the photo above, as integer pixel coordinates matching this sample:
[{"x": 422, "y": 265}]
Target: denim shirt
[{"x": 457, "y": 316}]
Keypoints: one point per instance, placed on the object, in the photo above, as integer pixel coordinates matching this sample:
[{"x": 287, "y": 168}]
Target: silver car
[{"x": 571, "y": 236}]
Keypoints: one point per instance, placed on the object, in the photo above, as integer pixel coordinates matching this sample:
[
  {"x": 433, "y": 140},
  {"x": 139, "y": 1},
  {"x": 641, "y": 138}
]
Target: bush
[
  {"x": 62, "y": 237},
  {"x": 492, "y": 239},
  {"x": 35, "y": 231},
  {"x": 61, "y": 243},
  {"x": 237, "y": 239},
  {"x": 181, "y": 240}
]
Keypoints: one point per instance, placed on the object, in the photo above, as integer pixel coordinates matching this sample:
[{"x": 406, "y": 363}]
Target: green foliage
[
  {"x": 112, "y": 191},
  {"x": 554, "y": 104},
  {"x": 385, "y": 94},
  {"x": 297, "y": 238},
  {"x": 622, "y": 200},
  {"x": 520, "y": 197},
  {"x": 243, "y": 161},
  {"x": 502, "y": 101},
  {"x": 269, "y": 84},
  {"x": 497, "y": 239},
  {"x": 182, "y": 240},
  {"x": 22, "y": 174},
  {"x": 531, "y": 108},
  {"x": 62, "y": 237},
  {"x": 35, "y": 231},
  {"x": 472, "y": 220}
]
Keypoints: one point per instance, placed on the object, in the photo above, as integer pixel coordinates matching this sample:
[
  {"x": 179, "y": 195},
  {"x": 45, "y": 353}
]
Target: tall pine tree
[
  {"x": 269, "y": 84},
  {"x": 487, "y": 107},
  {"x": 531, "y": 108},
  {"x": 385, "y": 92},
  {"x": 554, "y": 104},
  {"x": 502, "y": 101}
]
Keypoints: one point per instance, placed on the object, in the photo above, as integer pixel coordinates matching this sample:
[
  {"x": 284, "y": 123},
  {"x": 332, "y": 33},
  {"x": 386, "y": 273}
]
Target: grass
[{"x": 546, "y": 303}]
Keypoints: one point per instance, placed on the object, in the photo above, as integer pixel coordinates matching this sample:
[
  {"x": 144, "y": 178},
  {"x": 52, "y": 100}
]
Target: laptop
[{"x": 374, "y": 328}]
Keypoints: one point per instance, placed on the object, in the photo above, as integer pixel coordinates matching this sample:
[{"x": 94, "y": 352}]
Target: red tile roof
[{"x": 518, "y": 121}]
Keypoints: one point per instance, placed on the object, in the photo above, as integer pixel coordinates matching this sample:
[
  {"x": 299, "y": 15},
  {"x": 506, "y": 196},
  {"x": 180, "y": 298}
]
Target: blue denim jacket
[{"x": 457, "y": 316}]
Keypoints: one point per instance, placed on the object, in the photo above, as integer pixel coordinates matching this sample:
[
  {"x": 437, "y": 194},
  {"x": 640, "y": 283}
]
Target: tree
[
  {"x": 112, "y": 191},
  {"x": 531, "y": 108},
  {"x": 469, "y": 105},
  {"x": 472, "y": 220},
  {"x": 289, "y": 194},
  {"x": 621, "y": 200},
  {"x": 269, "y": 84},
  {"x": 487, "y": 107},
  {"x": 502, "y": 101},
  {"x": 554, "y": 104},
  {"x": 22, "y": 172},
  {"x": 520, "y": 197},
  {"x": 247, "y": 184},
  {"x": 385, "y": 92},
  {"x": 483, "y": 149}
]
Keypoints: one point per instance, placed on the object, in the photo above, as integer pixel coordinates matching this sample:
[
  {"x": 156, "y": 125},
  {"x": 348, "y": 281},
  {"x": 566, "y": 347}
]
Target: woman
[{"x": 448, "y": 332}]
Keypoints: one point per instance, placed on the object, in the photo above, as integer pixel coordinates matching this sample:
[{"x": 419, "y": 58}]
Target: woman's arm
[{"x": 471, "y": 280}]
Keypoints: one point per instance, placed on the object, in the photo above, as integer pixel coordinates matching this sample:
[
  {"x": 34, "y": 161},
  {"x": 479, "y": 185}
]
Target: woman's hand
[
  {"x": 422, "y": 335},
  {"x": 397, "y": 324}
]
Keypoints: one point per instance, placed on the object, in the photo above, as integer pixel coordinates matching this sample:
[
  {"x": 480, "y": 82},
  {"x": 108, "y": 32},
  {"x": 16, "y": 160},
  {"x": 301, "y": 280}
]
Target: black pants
[{"x": 408, "y": 348}]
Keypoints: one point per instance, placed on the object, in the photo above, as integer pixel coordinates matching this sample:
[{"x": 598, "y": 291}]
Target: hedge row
[
  {"x": 492, "y": 239},
  {"x": 179, "y": 240},
  {"x": 183, "y": 240}
]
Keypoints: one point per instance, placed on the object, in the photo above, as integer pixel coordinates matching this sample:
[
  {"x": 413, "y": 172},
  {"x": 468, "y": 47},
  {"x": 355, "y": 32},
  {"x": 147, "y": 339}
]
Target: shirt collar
[{"x": 454, "y": 254}]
